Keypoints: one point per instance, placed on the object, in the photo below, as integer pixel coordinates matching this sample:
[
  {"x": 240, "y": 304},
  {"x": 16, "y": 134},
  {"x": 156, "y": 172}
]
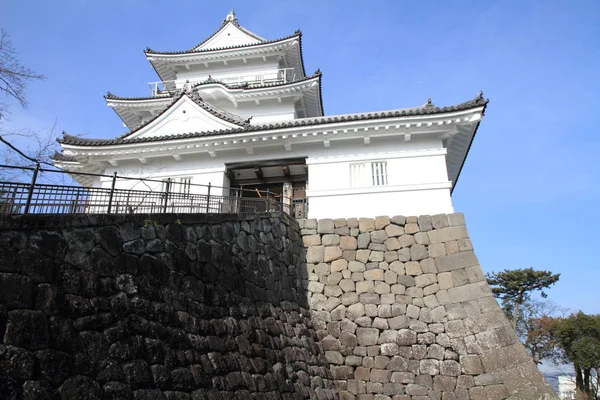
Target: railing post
[
  {"x": 112, "y": 192},
  {"x": 208, "y": 198},
  {"x": 168, "y": 187},
  {"x": 31, "y": 188}
]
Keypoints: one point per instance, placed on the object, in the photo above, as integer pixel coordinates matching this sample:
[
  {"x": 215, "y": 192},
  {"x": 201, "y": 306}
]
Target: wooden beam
[
  {"x": 271, "y": 163},
  {"x": 271, "y": 179}
]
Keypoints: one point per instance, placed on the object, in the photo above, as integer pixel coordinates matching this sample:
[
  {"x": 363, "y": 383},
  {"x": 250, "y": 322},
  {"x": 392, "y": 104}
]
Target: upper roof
[
  {"x": 426, "y": 109},
  {"x": 230, "y": 35}
]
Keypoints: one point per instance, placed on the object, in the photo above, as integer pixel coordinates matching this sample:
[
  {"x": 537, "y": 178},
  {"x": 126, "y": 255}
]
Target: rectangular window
[
  {"x": 379, "y": 173},
  {"x": 184, "y": 185},
  {"x": 368, "y": 174}
]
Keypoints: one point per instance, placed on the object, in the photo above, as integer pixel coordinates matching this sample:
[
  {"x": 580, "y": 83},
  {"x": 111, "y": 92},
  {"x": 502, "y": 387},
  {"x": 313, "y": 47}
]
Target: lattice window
[
  {"x": 379, "y": 173},
  {"x": 368, "y": 174}
]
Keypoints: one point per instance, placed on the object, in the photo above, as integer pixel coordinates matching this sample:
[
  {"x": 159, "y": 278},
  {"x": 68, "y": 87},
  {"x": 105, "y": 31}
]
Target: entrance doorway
[{"x": 281, "y": 181}]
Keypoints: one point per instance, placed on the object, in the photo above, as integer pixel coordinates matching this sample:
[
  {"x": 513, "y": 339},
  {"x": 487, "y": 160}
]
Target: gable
[
  {"x": 229, "y": 35},
  {"x": 184, "y": 116}
]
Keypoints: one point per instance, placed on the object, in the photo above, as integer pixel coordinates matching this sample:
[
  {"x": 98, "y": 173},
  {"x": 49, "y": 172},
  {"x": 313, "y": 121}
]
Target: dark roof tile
[{"x": 424, "y": 110}]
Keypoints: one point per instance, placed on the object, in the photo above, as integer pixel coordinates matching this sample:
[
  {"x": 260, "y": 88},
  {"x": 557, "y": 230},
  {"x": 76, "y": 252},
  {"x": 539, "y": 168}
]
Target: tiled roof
[
  {"x": 234, "y": 22},
  {"x": 224, "y": 115},
  {"x": 167, "y": 95},
  {"x": 427, "y": 109},
  {"x": 110, "y": 96},
  {"x": 192, "y": 51},
  {"x": 63, "y": 157}
]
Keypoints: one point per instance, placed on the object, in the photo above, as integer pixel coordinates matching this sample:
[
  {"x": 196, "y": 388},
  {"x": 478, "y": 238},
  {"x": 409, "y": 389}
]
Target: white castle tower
[{"x": 239, "y": 111}]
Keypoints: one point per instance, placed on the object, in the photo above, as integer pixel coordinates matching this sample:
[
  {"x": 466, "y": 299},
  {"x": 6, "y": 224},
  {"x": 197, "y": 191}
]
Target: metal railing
[
  {"x": 134, "y": 195},
  {"x": 283, "y": 75}
]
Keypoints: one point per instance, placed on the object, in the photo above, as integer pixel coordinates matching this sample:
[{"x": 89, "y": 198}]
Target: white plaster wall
[
  {"x": 417, "y": 177},
  {"x": 228, "y": 73},
  {"x": 369, "y": 205}
]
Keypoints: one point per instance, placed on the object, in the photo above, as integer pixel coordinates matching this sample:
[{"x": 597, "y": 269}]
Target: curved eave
[
  {"x": 427, "y": 120},
  {"x": 465, "y": 147},
  {"x": 163, "y": 62},
  {"x": 126, "y": 108}
]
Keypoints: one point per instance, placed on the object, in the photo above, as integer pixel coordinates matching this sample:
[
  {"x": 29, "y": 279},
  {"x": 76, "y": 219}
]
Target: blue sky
[{"x": 530, "y": 186}]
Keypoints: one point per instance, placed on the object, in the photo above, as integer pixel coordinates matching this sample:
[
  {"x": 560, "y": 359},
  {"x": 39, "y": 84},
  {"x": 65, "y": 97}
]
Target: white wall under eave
[{"x": 369, "y": 205}]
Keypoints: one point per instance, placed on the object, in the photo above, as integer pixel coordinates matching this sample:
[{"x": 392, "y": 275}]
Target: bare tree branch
[{"x": 13, "y": 74}]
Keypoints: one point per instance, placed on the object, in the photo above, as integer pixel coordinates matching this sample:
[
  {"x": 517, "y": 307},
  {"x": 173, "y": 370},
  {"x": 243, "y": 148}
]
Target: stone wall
[
  {"x": 155, "y": 307},
  {"x": 403, "y": 311}
]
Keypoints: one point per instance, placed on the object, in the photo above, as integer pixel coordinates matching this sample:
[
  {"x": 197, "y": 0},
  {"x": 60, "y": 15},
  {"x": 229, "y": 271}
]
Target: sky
[{"x": 530, "y": 188}]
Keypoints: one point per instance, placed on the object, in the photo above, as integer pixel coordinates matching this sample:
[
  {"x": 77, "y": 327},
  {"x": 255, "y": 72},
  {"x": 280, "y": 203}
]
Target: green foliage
[
  {"x": 514, "y": 287},
  {"x": 150, "y": 222},
  {"x": 579, "y": 338},
  {"x": 516, "y": 284}
]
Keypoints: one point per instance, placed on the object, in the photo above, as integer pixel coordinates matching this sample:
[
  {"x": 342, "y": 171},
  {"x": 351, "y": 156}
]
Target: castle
[{"x": 239, "y": 111}]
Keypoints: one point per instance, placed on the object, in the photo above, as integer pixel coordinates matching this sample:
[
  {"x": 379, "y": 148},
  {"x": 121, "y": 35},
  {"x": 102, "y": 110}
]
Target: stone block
[
  {"x": 444, "y": 383},
  {"x": 379, "y": 375},
  {"x": 398, "y": 268},
  {"x": 392, "y": 243},
  {"x": 314, "y": 254},
  {"x": 325, "y": 226},
  {"x": 437, "y": 250},
  {"x": 366, "y": 224},
  {"x": 472, "y": 291},
  {"x": 332, "y": 291},
  {"x": 429, "y": 367},
  {"x": 364, "y": 287},
  {"x": 376, "y": 256},
  {"x": 474, "y": 274},
  {"x": 411, "y": 228},
  {"x": 406, "y": 337},
  {"x": 381, "y": 287},
  {"x": 334, "y": 357},
  {"x": 431, "y": 290},
  {"x": 471, "y": 365},
  {"x": 404, "y": 254},
  {"x": 456, "y": 261},
  {"x": 374, "y": 275},
  {"x": 348, "y": 243},
  {"x": 443, "y": 297},
  {"x": 347, "y": 285},
  {"x": 428, "y": 266},
  {"x": 456, "y": 219},
  {"x": 367, "y": 336},
  {"x": 439, "y": 221},
  {"x": 355, "y": 311},
  {"x": 356, "y": 266},
  {"x": 339, "y": 265},
  {"x": 378, "y": 236},
  {"x": 334, "y": 278},
  {"x": 418, "y": 252},
  {"x": 406, "y": 240},
  {"x": 330, "y": 240},
  {"x": 363, "y": 255},
  {"x": 315, "y": 287},
  {"x": 413, "y": 268},
  {"x": 311, "y": 240},
  {"x": 425, "y": 280},
  {"x": 451, "y": 247},
  {"x": 447, "y": 234},
  {"x": 331, "y": 253},
  {"x": 369, "y": 298}
]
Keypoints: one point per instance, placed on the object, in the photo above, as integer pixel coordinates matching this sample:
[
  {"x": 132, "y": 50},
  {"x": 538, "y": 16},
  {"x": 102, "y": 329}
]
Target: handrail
[
  {"x": 282, "y": 75},
  {"x": 170, "y": 196}
]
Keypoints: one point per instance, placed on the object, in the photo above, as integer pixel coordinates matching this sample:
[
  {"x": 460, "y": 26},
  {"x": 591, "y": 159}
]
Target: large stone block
[
  {"x": 456, "y": 261},
  {"x": 472, "y": 291},
  {"x": 325, "y": 226},
  {"x": 447, "y": 234}
]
